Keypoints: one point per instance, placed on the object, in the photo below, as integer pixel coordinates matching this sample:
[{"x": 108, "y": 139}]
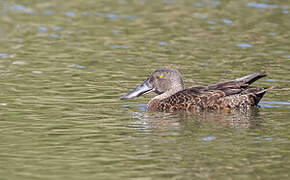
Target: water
[{"x": 64, "y": 66}]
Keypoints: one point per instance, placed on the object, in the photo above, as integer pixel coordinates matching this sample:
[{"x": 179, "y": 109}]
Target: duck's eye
[{"x": 161, "y": 76}]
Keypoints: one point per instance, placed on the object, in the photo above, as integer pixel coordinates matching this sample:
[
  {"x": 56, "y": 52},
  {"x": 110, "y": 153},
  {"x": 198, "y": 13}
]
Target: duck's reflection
[{"x": 239, "y": 118}]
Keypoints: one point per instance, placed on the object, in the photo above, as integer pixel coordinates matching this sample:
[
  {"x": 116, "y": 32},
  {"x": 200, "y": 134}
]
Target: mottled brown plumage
[{"x": 172, "y": 97}]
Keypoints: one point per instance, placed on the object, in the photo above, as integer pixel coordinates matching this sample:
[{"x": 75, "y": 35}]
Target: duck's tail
[
  {"x": 260, "y": 94},
  {"x": 257, "y": 92}
]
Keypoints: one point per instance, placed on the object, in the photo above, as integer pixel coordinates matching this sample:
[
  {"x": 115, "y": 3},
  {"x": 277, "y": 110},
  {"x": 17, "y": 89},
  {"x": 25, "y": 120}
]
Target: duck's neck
[
  {"x": 154, "y": 101},
  {"x": 174, "y": 89},
  {"x": 164, "y": 95}
]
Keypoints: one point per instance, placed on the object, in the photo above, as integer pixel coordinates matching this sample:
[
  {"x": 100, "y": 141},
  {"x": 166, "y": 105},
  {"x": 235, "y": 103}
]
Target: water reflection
[{"x": 239, "y": 118}]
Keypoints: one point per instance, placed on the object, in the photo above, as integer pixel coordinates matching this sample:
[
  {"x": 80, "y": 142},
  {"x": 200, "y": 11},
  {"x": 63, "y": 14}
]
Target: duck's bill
[{"x": 144, "y": 88}]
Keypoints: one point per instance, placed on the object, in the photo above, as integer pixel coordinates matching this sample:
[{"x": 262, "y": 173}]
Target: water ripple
[
  {"x": 162, "y": 43},
  {"x": 116, "y": 31},
  {"x": 3, "y": 55},
  {"x": 227, "y": 21},
  {"x": 257, "y": 5},
  {"x": 211, "y": 22},
  {"x": 54, "y": 35},
  {"x": 17, "y": 7},
  {"x": 208, "y": 138},
  {"x": 69, "y": 14},
  {"x": 244, "y": 45},
  {"x": 42, "y": 28},
  {"x": 112, "y": 16},
  {"x": 274, "y": 104},
  {"x": 47, "y": 12}
]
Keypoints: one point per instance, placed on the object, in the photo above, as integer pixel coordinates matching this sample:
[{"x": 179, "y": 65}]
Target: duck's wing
[
  {"x": 195, "y": 98},
  {"x": 237, "y": 85},
  {"x": 242, "y": 82}
]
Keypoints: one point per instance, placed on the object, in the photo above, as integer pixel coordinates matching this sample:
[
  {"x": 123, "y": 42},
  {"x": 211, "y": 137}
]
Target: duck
[{"x": 172, "y": 96}]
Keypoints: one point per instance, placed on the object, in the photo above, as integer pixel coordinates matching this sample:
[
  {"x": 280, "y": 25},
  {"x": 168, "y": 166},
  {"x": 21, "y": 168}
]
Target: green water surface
[{"x": 65, "y": 64}]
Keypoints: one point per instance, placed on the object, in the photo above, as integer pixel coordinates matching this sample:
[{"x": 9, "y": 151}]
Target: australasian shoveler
[{"x": 168, "y": 84}]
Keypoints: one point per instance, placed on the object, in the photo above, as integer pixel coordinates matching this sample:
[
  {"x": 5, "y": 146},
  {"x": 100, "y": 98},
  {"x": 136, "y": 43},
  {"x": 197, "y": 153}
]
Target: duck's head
[{"x": 164, "y": 80}]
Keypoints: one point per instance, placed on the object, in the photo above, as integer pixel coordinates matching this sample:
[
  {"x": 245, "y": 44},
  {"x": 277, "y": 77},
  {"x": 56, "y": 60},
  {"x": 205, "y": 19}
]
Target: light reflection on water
[{"x": 64, "y": 67}]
